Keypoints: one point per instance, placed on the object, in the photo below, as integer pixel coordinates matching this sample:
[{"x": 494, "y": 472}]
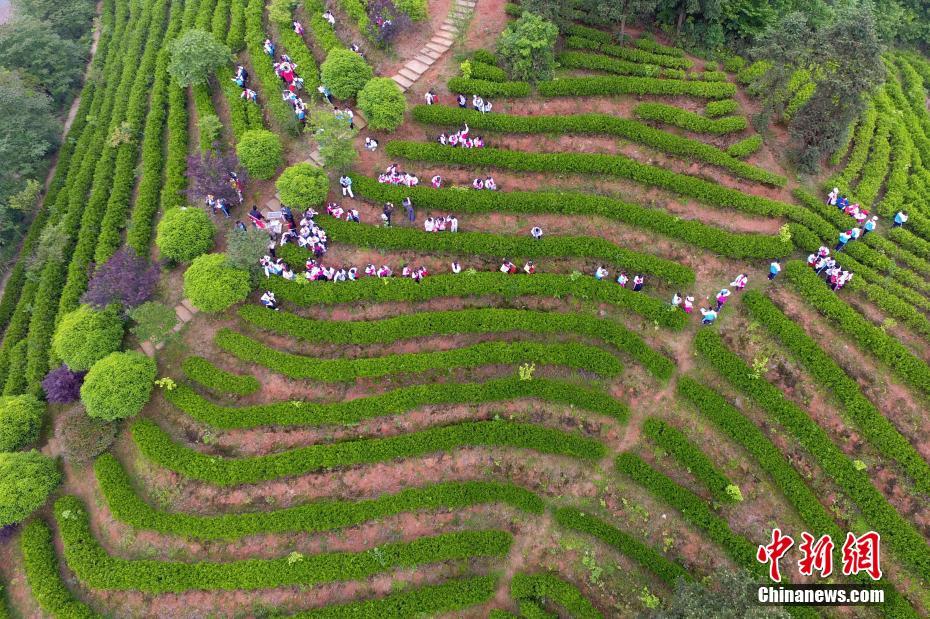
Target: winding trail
[{"x": 438, "y": 45}]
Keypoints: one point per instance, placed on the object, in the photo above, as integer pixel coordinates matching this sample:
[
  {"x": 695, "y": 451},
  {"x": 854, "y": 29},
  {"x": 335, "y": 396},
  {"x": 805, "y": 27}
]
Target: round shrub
[
  {"x": 260, "y": 152},
  {"x": 62, "y": 385},
  {"x": 20, "y": 421},
  {"x": 344, "y": 72},
  {"x": 86, "y": 335},
  {"x": 26, "y": 480},
  {"x": 83, "y": 437},
  {"x": 184, "y": 233},
  {"x": 212, "y": 284},
  {"x": 302, "y": 185},
  {"x": 383, "y": 103},
  {"x": 118, "y": 386}
]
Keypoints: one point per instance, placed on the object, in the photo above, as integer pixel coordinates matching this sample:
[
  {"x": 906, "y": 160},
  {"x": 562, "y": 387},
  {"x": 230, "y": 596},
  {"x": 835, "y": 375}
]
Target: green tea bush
[
  {"x": 184, "y": 233},
  {"x": 20, "y": 421},
  {"x": 205, "y": 373},
  {"x": 486, "y": 320},
  {"x": 260, "y": 152},
  {"x": 397, "y": 401},
  {"x": 302, "y": 185},
  {"x": 486, "y": 88},
  {"x": 632, "y": 130},
  {"x": 118, "y": 386},
  {"x": 159, "y": 447},
  {"x": 627, "y": 85},
  {"x": 97, "y": 569},
  {"x": 692, "y": 232},
  {"x": 212, "y": 285},
  {"x": 580, "y": 356},
  {"x": 548, "y": 586},
  {"x": 26, "y": 480},
  {"x": 345, "y": 73},
  {"x": 716, "y": 109},
  {"x": 744, "y": 148},
  {"x": 42, "y": 573},
  {"x": 383, "y": 103},
  {"x": 596, "y": 62},
  {"x": 628, "y": 53},
  {"x": 672, "y": 115},
  {"x": 323, "y": 515},
  {"x": 86, "y": 335}
]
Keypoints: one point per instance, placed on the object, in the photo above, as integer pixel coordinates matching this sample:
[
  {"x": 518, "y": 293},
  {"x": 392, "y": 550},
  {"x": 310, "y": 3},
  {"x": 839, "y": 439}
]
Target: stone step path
[
  {"x": 438, "y": 45},
  {"x": 185, "y": 312}
]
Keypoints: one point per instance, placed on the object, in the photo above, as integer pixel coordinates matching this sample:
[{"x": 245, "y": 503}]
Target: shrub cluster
[
  {"x": 119, "y": 385},
  {"x": 876, "y": 168},
  {"x": 488, "y": 72},
  {"x": 689, "y": 456},
  {"x": 99, "y": 570},
  {"x": 492, "y": 245},
  {"x": 302, "y": 185},
  {"x": 324, "y": 515},
  {"x": 485, "y": 57},
  {"x": 479, "y": 284},
  {"x": 751, "y": 73},
  {"x": 397, "y": 401},
  {"x": 692, "y": 232},
  {"x": 212, "y": 284},
  {"x": 671, "y": 115},
  {"x": 595, "y": 163},
  {"x": 580, "y": 356},
  {"x": 633, "y": 85},
  {"x": 708, "y": 76},
  {"x": 20, "y": 421},
  {"x": 591, "y": 34},
  {"x": 597, "y": 62},
  {"x": 158, "y": 446},
  {"x": 487, "y": 88},
  {"x": 646, "y": 556},
  {"x": 716, "y": 109},
  {"x": 82, "y": 437},
  {"x": 860, "y": 152},
  {"x": 629, "y": 53},
  {"x": 632, "y": 130},
  {"x": 902, "y": 362},
  {"x": 344, "y": 72},
  {"x": 432, "y": 600},
  {"x": 26, "y": 480},
  {"x": 383, "y": 103},
  {"x": 205, "y": 373},
  {"x": 484, "y": 320},
  {"x": 184, "y": 233},
  {"x": 744, "y": 148},
  {"x": 651, "y": 45},
  {"x": 902, "y": 537},
  {"x": 357, "y": 11},
  {"x": 41, "y": 566},
  {"x": 548, "y": 586},
  {"x": 881, "y": 432},
  {"x": 86, "y": 335},
  {"x": 260, "y": 152}
]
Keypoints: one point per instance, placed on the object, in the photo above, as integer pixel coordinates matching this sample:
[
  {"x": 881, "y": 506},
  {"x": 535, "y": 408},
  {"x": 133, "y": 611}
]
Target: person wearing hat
[{"x": 869, "y": 225}]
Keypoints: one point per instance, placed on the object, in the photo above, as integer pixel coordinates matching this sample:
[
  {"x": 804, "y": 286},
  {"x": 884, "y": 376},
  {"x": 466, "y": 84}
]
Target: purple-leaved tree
[
  {"x": 387, "y": 21},
  {"x": 125, "y": 278},
  {"x": 61, "y": 385},
  {"x": 209, "y": 173}
]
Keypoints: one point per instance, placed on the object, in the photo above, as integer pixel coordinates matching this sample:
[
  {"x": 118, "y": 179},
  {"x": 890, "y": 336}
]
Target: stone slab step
[
  {"x": 410, "y": 75},
  {"x": 451, "y": 29},
  {"x": 417, "y": 66},
  {"x": 441, "y": 39},
  {"x": 402, "y": 81},
  {"x": 190, "y": 306},
  {"x": 148, "y": 348},
  {"x": 469, "y": 4},
  {"x": 183, "y": 314},
  {"x": 424, "y": 59},
  {"x": 439, "y": 49},
  {"x": 430, "y": 53}
]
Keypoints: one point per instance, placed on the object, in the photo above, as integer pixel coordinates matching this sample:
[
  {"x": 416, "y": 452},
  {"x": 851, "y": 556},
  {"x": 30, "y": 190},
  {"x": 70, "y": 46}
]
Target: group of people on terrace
[
  {"x": 286, "y": 70},
  {"x": 461, "y": 138},
  {"x": 826, "y": 266},
  {"x": 709, "y": 314},
  {"x": 241, "y": 78},
  {"x": 393, "y": 176}
]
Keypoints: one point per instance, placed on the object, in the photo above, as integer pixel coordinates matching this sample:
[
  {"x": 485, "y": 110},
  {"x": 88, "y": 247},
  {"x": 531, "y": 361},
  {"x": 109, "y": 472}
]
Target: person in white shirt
[
  {"x": 456, "y": 267},
  {"x": 536, "y": 232},
  {"x": 676, "y": 300},
  {"x": 371, "y": 144},
  {"x": 428, "y": 224},
  {"x": 453, "y": 223},
  {"x": 600, "y": 273},
  {"x": 709, "y": 316},
  {"x": 329, "y": 17}
]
